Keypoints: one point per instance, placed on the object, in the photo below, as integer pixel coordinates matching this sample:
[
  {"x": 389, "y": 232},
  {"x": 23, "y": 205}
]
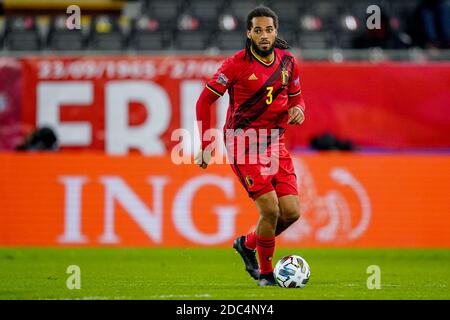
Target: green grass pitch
[{"x": 190, "y": 274}]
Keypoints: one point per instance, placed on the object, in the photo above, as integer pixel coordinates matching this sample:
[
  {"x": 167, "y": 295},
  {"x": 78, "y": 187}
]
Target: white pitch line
[{"x": 163, "y": 296}]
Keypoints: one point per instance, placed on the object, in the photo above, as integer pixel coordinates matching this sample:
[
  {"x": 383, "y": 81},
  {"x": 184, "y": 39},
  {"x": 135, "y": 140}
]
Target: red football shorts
[{"x": 273, "y": 172}]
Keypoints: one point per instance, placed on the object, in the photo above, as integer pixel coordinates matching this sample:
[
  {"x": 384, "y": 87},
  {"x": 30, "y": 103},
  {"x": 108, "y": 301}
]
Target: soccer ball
[{"x": 292, "y": 272}]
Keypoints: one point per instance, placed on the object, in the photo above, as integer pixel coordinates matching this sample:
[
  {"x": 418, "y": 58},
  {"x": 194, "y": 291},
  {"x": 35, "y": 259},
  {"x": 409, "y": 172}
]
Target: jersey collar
[{"x": 266, "y": 64}]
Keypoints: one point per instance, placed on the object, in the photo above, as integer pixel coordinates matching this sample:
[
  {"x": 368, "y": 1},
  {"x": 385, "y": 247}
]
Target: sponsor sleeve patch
[{"x": 222, "y": 79}]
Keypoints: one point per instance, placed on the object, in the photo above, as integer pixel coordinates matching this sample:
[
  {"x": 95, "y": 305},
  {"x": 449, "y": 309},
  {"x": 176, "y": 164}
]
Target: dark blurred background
[{"x": 217, "y": 26}]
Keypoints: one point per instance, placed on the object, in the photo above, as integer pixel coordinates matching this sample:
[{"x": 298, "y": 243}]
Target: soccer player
[{"x": 264, "y": 88}]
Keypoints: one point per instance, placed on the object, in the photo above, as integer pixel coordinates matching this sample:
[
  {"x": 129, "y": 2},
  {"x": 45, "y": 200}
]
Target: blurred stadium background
[
  {"x": 87, "y": 116},
  {"x": 322, "y": 30}
]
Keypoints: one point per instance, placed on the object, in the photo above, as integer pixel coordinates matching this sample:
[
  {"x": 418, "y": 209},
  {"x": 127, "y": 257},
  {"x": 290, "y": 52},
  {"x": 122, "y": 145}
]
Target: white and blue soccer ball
[{"x": 292, "y": 272}]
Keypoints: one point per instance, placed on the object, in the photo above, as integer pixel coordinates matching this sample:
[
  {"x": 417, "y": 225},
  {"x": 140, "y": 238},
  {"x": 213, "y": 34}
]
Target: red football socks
[
  {"x": 250, "y": 241},
  {"x": 266, "y": 248}
]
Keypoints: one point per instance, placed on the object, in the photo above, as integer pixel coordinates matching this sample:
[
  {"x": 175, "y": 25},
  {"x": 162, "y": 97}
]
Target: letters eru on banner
[
  {"x": 123, "y": 104},
  {"x": 96, "y": 200}
]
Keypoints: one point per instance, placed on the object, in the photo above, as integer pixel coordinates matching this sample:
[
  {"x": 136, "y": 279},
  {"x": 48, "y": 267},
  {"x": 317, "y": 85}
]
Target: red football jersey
[{"x": 259, "y": 92}]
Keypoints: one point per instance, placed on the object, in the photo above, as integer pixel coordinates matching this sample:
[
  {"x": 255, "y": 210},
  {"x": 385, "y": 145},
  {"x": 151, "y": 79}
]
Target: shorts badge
[{"x": 249, "y": 181}]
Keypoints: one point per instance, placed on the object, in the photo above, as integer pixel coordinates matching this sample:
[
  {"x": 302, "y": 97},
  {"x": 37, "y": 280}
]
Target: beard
[{"x": 262, "y": 53}]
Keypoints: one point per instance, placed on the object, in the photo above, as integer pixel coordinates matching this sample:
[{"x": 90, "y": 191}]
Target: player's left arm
[{"x": 296, "y": 103}]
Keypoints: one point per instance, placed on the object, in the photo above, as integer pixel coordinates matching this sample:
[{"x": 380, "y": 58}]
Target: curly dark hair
[{"x": 263, "y": 11}]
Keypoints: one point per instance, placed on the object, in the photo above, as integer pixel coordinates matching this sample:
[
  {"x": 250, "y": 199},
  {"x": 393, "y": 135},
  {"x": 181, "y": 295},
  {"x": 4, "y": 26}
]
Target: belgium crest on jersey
[{"x": 284, "y": 77}]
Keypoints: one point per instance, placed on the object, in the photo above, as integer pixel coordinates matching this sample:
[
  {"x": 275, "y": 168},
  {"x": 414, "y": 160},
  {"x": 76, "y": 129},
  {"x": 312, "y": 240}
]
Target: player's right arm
[
  {"x": 215, "y": 88},
  {"x": 206, "y": 99}
]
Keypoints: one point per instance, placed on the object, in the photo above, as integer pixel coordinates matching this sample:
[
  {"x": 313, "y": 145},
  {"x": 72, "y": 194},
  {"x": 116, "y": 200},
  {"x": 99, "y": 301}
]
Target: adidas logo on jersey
[{"x": 253, "y": 77}]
